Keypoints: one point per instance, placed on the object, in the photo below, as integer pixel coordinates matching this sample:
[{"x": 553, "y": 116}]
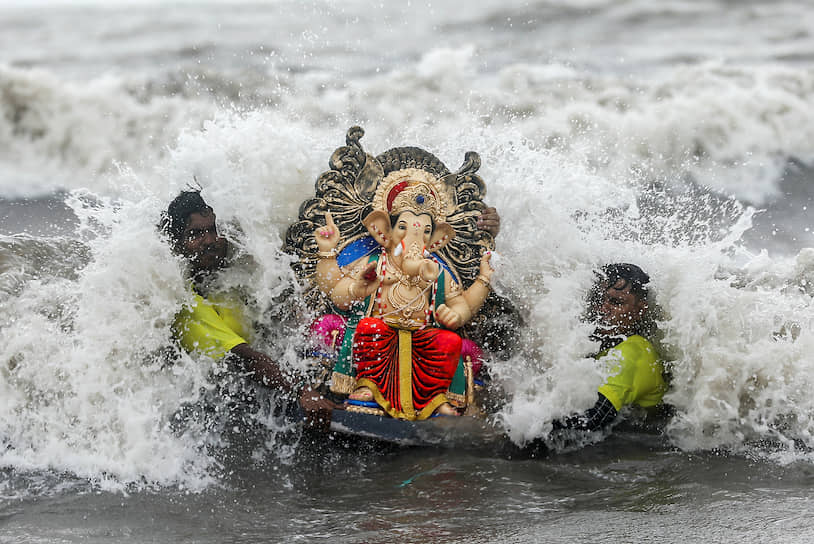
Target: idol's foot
[
  {"x": 363, "y": 394},
  {"x": 446, "y": 409}
]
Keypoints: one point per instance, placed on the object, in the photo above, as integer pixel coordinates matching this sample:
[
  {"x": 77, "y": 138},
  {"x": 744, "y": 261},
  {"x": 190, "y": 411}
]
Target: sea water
[{"x": 675, "y": 135}]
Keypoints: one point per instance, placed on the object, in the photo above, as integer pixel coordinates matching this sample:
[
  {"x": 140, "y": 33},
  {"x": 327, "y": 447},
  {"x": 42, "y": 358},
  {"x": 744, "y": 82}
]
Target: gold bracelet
[
  {"x": 327, "y": 254},
  {"x": 485, "y": 280}
]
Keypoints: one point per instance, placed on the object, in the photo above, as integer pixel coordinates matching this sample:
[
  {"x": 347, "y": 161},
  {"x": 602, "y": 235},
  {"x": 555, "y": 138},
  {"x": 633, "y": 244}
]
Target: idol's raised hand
[
  {"x": 328, "y": 236},
  {"x": 486, "y": 270}
]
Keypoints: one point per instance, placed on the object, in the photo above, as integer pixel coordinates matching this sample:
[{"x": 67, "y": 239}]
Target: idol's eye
[{"x": 428, "y": 229}]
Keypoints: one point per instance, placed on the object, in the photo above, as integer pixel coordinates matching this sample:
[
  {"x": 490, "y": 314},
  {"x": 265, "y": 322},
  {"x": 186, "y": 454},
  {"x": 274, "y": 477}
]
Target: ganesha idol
[{"x": 380, "y": 255}]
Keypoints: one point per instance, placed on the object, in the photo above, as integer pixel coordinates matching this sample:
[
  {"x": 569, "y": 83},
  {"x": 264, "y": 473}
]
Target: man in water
[
  {"x": 618, "y": 304},
  {"x": 214, "y": 328}
]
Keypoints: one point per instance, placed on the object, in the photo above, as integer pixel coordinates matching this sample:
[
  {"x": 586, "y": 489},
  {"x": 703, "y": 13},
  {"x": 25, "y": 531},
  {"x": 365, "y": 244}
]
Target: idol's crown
[{"x": 412, "y": 189}]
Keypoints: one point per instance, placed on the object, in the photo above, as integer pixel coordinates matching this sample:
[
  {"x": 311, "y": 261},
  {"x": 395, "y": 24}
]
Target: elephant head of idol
[{"x": 409, "y": 220}]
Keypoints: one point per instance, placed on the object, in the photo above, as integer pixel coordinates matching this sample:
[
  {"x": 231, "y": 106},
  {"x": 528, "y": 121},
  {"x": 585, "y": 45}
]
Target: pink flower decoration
[
  {"x": 327, "y": 332},
  {"x": 472, "y": 350}
]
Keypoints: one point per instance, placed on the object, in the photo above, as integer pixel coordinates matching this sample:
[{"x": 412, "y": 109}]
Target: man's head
[
  {"x": 618, "y": 300},
  {"x": 189, "y": 222}
]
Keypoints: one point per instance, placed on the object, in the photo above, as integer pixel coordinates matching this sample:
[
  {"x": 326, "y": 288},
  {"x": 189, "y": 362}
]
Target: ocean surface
[{"x": 673, "y": 134}]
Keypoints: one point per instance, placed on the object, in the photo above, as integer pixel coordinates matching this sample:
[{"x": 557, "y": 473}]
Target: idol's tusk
[{"x": 399, "y": 249}]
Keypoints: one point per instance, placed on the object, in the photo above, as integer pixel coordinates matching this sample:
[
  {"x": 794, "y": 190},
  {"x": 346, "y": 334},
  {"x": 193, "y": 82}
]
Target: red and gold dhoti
[{"x": 408, "y": 372}]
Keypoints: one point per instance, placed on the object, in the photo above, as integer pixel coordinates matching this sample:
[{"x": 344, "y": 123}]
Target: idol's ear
[
  {"x": 441, "y": 236},
  {"x": 377, "y": 224}
]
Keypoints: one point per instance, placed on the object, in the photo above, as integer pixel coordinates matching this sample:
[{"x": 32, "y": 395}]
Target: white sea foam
[
  {"x": 730, "y": 128},
  {"x": 58, "y": 135}
]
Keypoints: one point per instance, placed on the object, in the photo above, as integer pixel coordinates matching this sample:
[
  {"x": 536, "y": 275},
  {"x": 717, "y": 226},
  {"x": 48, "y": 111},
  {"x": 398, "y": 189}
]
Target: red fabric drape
[{"x": 435, "y": 357}]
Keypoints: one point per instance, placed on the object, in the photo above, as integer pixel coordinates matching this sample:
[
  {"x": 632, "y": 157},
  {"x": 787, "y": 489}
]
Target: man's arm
[
  {"x": 600, "y": 416},
  {"x": 316, "y": 407},
  {"x": 265, "y": 370}
]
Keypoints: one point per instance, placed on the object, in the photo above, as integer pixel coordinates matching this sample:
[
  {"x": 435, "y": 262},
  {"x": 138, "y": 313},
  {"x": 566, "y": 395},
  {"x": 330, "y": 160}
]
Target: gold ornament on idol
[{"x": 406, "y": 297}]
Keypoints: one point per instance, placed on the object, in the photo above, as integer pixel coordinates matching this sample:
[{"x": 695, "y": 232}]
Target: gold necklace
[{"x": 406, "y": 297}]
